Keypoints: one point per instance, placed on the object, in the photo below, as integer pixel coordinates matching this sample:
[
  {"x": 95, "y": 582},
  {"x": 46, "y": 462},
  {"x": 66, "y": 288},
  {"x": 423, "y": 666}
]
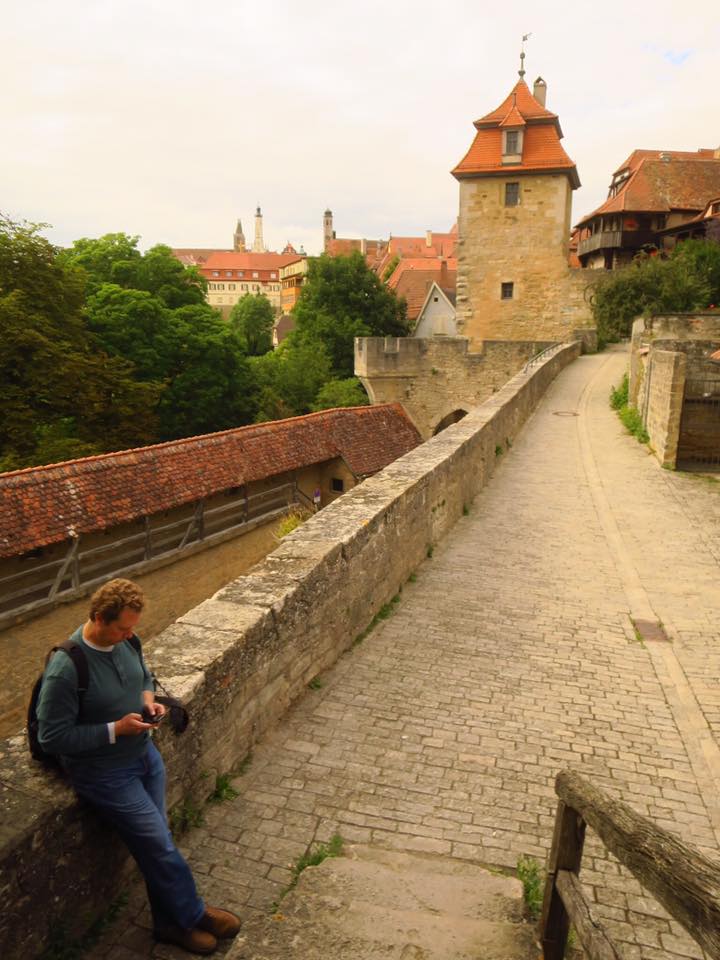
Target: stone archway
[{"x": 449, "y": 419}]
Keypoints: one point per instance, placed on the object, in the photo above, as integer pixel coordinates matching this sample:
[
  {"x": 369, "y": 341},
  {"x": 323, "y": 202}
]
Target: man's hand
[
  {"x": 156, "y": 709},
  {"x": 130, "y": 725}
]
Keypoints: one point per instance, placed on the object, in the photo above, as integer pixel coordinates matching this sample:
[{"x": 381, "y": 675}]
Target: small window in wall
[
  {"x": 337, "y": 485},
  {"x": 506, "y": 291},
  {"x": 511, "y": 141},
  {"x": 512, "y": 194}
]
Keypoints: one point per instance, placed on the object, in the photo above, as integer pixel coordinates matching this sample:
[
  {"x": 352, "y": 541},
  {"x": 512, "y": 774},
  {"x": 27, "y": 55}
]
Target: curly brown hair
[{"x": 113, "y": 597}]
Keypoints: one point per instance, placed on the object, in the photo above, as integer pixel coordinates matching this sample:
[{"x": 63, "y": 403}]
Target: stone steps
[{"x": 374, "y": 904}]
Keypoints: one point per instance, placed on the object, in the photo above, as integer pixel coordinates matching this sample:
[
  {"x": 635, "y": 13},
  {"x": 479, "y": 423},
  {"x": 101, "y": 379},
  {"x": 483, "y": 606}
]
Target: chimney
[
  {"x": 540, "y": 90},
  {"x": 428, "y": 238},
  {"x": 444, "y": 281}
]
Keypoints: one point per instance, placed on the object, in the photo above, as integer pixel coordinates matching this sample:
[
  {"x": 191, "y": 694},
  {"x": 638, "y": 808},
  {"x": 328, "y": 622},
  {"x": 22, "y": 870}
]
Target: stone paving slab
[{"x": 511, "y": 655}]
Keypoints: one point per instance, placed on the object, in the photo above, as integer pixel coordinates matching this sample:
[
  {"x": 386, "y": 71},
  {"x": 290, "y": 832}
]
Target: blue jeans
[{"x": 132, "y": 799}]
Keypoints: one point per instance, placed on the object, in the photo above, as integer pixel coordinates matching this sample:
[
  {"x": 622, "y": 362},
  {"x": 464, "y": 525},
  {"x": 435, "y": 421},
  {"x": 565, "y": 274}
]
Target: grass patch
[
  {"x": 530, "y": 875},
  {"x": 429, "y": 551},
  {"x": 498, "y": 450},
  {"x": 62, "y": 948},
  {"x": 312, "y": 858},
  {"x": 223, "y": 789},
  {"x": 383, "y": 613},
  {"x": 466, "y": 510},
  {"x": 619, "y": 395},
  {"x": 630, "y": 417},
  {"x": 315, "y": 684},
  {"x": 632, "y": 421},
  {"x": 290, "y": 522},
  {"x": 184, "y": 817},
  {"x": 412, "y": 578}
]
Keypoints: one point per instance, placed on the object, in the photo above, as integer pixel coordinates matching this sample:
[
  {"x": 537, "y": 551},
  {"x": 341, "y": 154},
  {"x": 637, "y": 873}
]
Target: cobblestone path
[{"x": 510, "y": 656}]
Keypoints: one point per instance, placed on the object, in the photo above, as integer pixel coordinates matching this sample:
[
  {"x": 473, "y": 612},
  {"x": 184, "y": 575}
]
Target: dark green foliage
[
  {"x": 62, "y": 396},
  {"x": 252, "y": 318},
  {"x": 341, "y": 393},
  {"x": 687, "y": 280},
  {"x": 341, "y": 300},
  {"x": 115, "y": 259},
  {"x": 290, "y": 378}
]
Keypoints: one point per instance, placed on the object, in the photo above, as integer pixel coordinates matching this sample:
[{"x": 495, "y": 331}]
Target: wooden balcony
[{"x": 612, "y": 239}]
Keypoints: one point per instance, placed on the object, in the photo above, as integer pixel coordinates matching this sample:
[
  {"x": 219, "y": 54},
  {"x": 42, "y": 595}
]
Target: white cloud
[{"x": 171, "y": 120}]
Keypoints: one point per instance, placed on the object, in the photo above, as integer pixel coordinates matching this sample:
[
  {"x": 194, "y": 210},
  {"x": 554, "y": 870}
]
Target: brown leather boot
[
  {"x": 194, "y": 941},
  {"x": 220, "y": 923}
]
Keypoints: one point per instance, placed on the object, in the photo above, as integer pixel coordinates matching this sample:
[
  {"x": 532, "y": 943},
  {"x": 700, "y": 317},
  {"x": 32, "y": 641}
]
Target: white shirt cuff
[{"x": 111, "y": 731}]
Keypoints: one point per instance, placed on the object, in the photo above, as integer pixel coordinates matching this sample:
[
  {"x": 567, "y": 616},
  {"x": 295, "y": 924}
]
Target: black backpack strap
[{"x": 77, "y": 655}]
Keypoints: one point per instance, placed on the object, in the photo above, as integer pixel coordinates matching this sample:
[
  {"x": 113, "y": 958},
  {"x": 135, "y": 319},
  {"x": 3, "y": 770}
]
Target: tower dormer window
[{"x": 512, "y": 146}]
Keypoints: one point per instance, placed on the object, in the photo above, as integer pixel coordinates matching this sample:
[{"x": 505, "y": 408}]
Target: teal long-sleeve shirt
[{"x": 117, "y": 679}]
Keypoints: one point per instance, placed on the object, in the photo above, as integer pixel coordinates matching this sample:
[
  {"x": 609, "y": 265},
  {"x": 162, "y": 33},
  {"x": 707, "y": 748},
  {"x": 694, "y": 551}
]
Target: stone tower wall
[
  {"x": 526, "y": 245},
  {"x": 433, "y": 378}
]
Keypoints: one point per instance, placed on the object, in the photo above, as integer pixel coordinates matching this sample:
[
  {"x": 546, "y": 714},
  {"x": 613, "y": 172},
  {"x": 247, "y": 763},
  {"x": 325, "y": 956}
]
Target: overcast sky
[{"x": 172, "y": 119}]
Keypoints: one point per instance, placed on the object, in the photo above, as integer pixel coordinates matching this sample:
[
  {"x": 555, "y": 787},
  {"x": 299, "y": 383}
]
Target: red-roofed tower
[{"x": 516, "y": 184}]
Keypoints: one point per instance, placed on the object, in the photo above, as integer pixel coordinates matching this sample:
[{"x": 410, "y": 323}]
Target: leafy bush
[{"x": 687, "y": 280}]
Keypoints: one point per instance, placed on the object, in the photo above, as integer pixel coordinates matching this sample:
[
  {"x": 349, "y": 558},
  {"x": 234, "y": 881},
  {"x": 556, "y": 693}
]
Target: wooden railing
[{"x": 683, "y": 880}]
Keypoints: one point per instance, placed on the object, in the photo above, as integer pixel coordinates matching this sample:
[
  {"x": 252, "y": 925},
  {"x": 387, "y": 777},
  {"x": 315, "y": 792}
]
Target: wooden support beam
[
  {"x": 62, "y": 572},
  {"x": 565, "y": 854},
  {"x": 592, "y": 935}
]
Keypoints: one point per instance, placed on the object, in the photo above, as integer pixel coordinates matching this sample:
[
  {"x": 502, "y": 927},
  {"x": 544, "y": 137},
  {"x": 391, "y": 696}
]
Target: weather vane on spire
[{"x": 521, "y": 71}]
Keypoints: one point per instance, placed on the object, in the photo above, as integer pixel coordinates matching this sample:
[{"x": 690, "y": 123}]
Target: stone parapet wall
[
  {"x": 435, "y": 377},
  {"x": 241, "y": 658},
  {"x": 664, "y": 404},
  {"x": 669, "y": 362}
]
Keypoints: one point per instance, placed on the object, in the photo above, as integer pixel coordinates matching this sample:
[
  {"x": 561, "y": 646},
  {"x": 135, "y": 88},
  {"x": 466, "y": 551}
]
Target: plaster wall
[{"x": 239, "y": 659}]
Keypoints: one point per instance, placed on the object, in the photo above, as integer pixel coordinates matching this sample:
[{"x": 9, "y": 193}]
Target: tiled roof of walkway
[{"x": 45, "y": 505}]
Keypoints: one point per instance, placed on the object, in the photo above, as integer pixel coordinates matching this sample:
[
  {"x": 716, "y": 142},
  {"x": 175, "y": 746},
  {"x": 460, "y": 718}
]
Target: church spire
[{"x": 521, "y": 71}]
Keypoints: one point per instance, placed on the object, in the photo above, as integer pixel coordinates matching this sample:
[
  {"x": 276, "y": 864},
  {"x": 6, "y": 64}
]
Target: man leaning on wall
[{"x": 105, "y": 747}]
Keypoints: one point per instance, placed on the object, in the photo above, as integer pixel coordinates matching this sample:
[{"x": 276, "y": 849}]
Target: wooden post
[
  {"x": 62, "y": 572},
  {"x": 148, "y": 538},
  {"x": 565, "y": 854}
]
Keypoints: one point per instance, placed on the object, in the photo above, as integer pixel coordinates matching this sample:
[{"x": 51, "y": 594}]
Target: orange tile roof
[
  {"x": 441, "y": 245},
  {"x": 230, "y": 260},
  {"x": 513, "y": 119},
  {"x": 45, "y": 505},
  {"x": 522, "y": 100},
  {"x": 195, "y": 256},
  {"x": 412, "y": 278},
  {"x": 635, "y": 158},
  {"x": 658, "y": 186},
  {"x": 542, "y": 151}
]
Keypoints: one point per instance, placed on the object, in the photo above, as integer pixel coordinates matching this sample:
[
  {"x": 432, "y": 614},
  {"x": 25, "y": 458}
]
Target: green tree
[
  {"x": 210, "y": 385},
  {"x": 252, "y": 318},
  {"x": 115, "y": 259},
  {"x": 341, "y": 393},
  {"x": 289, "y": 379},
  {"x": 62, "y": 396},
  {"x": 341, "y": 300},
  {"x": 135, "y": 325}
]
